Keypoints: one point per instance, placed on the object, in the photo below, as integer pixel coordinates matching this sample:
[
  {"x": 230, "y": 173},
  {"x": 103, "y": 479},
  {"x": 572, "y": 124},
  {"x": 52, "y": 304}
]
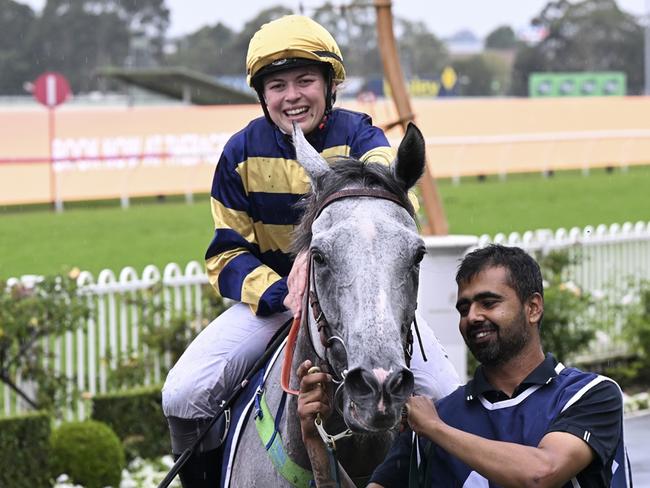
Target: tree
[
  {"x": 354, "y": 27},
  {"x": 75, "y": 40},
  {"x": 482, "y": 75},
  {"x": 239, "y": 45},
  {"x": 218, "y": 50},
  {"x": 207, "y": 50},
  {"x": 421, "y": 53},
  {"x": 591, "y": 35},
  {"x": 501, "y": 38},
  {"x": 147, "y": 19},
  {"x": 30, "y": 317},
  {"x": 16, "y": 26},
  {"x": 78, "y": 36}
]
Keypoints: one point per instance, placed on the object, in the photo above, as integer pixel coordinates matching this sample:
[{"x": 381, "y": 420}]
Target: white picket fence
[
  {"x": 112, "y": 332},
  {"x": 608, "y": 258}
]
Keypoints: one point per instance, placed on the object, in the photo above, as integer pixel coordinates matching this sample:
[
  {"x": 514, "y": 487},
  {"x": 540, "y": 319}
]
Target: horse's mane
[{"x": 345, "y": 172}]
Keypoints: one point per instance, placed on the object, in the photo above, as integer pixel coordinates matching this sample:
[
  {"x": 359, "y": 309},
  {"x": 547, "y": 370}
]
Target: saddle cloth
[{"x": 239, "y": 416}]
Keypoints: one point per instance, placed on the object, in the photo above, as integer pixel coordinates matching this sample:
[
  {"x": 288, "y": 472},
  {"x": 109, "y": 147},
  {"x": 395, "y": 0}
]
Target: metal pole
[
  {"x": 57, "y": 202},
  {"x": 647, "y": 47}
]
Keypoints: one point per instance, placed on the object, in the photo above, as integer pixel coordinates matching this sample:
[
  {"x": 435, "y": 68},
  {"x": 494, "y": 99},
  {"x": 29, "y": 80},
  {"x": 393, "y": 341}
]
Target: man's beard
[{"x": 506, "y": 345}]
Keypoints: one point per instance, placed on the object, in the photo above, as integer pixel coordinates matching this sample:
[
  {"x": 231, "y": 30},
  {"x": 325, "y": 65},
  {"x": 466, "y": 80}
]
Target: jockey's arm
[{"x": 234, "y": 257}]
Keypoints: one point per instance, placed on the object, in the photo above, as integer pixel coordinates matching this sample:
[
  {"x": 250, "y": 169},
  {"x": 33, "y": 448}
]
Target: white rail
[
  {"x": 608, "y": 259},
  {"x": 113, "y": 329}
]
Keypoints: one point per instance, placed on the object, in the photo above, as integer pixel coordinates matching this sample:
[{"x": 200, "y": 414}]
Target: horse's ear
[
  {"x": 409, "y": 165},
  {"x": 307, "y": 156}
]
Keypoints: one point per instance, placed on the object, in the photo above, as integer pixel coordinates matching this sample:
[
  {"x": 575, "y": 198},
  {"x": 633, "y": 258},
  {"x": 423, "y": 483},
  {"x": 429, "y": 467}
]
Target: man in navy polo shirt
[{"x": 524, "y": 419}]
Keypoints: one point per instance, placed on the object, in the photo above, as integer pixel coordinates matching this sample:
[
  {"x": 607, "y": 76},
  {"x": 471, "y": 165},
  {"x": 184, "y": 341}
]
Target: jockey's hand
[
  {"x": 297, "y": 282},
  {"x": 312, "y": 400},
  {"x": 422, "y": 414}
]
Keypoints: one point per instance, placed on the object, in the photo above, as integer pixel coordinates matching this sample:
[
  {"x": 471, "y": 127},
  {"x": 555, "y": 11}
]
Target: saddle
[{"x": 252, "y": 399}]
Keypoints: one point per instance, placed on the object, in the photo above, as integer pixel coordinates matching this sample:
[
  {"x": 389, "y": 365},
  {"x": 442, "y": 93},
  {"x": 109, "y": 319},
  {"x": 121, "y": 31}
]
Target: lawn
[
  {"x": 530, "y": 201},
  {"x": 106, "y": 236},
  {"x": 98, "y": 236}
]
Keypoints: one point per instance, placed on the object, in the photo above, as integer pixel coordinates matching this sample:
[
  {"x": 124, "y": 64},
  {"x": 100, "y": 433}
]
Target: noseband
[{"x": 327, "y": 335}]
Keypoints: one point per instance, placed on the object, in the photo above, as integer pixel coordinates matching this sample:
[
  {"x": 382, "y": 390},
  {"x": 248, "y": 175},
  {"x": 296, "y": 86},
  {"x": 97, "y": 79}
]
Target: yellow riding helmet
[{"x": 293, "y": 37}]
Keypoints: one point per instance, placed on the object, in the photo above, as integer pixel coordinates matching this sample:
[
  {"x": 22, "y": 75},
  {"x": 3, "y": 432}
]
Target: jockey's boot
[{"x": 202, "y": 470}]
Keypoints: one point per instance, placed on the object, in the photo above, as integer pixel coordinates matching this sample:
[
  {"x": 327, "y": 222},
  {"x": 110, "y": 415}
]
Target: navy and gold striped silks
[{"x": 255, "y": 187}]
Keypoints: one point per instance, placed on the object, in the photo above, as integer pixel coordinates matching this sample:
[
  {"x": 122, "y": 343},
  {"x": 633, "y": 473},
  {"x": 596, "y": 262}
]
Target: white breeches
[{"x": 221, "y": 355}]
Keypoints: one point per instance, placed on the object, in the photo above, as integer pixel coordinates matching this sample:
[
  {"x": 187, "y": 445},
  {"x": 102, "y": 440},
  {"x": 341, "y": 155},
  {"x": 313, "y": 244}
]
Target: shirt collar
[
  {"x": 541, "y": 375},
  {"x": 316, "y": 137}
]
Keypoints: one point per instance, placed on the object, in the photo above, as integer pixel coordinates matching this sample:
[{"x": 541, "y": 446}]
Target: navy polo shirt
[{"x": 592, "y": 411}]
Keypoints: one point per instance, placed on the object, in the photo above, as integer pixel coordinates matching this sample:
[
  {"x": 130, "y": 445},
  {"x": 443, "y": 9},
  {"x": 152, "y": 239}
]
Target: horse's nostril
[
  {"x": 400, "y": 383},
  {"x": 360, "y": 382}
]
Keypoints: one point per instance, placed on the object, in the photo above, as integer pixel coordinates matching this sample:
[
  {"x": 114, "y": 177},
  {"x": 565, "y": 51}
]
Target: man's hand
[
  {"x": 313, "y": 400},
  {"x": 297, "y": 282},
  {"x": 422, "y": 415}
]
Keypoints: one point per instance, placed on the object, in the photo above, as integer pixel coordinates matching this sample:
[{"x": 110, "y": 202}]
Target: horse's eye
[
  {"x": 318, "y": 257},
  {"x": 419, "y": 256}
]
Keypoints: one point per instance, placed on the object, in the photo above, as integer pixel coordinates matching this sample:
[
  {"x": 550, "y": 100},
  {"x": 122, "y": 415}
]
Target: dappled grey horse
[{"x": 359, "y": 229}]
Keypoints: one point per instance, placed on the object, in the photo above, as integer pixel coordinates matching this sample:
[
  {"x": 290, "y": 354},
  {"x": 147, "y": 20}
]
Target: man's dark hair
[{"x": 524, "y": 275}]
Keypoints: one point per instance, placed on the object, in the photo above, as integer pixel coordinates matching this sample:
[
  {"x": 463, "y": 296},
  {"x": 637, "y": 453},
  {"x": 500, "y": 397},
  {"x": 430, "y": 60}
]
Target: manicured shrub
[
  {"x": 24, "y": 450},
  {"x": 89, "y": 452},
  {"x": 137, "y": 418}
]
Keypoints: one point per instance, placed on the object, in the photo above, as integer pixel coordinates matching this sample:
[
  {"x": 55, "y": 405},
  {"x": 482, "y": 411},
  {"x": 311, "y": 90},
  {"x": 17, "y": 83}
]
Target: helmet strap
[
  {"x": 260, "y": 96},
  {"x": 330, "y": 96}
]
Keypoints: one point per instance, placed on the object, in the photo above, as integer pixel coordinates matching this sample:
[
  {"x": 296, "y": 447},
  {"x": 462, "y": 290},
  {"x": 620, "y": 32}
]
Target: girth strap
[{"x": 272, "y": 440}]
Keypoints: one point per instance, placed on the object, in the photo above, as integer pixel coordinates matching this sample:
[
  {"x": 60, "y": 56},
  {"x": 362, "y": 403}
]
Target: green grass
[
  {"x": 37, "y": 241},
  {"x": 94, "y": 236},
  {"x": 530, "y": 201}
]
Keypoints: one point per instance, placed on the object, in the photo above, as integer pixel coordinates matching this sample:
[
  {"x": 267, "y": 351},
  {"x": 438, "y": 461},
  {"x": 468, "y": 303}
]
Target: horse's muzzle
[{"x": 374, "y": 402}]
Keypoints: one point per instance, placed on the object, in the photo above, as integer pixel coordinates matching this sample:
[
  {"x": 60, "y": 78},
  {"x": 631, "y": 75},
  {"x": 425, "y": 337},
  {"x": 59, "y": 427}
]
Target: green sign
[{"x": 584, "y": 84}]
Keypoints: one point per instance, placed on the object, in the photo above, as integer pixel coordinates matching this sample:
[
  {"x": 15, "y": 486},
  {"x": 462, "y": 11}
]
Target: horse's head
[{"x": 359, "y": 228}]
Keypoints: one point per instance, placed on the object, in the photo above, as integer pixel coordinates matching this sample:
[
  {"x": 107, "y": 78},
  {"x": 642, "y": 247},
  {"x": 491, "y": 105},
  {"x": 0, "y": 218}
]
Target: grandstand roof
[{"x": 180, "y": 83}]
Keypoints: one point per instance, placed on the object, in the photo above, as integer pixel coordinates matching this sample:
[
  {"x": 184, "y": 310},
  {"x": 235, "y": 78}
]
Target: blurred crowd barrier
[{"x": 124, "y": 152}]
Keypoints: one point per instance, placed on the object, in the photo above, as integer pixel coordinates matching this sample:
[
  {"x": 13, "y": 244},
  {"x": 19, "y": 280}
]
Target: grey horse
[{"x": 365, "y": 255}]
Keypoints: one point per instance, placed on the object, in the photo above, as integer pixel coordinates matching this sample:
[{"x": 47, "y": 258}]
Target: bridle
[{"x": 327, "y": 335}]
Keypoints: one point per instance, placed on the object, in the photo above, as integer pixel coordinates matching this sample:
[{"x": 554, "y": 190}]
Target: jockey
[{"x": 295, "y": 66}]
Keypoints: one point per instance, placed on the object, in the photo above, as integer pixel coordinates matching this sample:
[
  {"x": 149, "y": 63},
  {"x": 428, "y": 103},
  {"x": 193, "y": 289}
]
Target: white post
[{"x": 437, "y": 293}]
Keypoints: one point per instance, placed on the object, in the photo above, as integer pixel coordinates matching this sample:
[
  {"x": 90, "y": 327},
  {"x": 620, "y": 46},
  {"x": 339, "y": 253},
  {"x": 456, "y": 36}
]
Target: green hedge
[
  {"x": 24, "y": 451},
  {"x": 89, "y": 452},
  {"x": 137, "y": 418}
]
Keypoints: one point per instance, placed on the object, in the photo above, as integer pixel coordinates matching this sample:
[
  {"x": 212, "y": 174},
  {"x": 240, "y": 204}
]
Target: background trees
[
  {"x": 16, "y": 21},
  {"x": 590, "y": 35},
  {"x": 502, "y": 37},
  {"x": 78, "y": 36}
]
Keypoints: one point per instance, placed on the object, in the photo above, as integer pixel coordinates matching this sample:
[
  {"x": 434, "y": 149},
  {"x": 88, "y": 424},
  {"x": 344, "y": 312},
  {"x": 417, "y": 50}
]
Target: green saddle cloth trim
[{"x": 290, "y": 471}]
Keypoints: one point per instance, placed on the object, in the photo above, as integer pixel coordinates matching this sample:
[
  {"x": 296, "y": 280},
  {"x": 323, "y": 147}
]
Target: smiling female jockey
[{"x": 295, "y": 66}]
